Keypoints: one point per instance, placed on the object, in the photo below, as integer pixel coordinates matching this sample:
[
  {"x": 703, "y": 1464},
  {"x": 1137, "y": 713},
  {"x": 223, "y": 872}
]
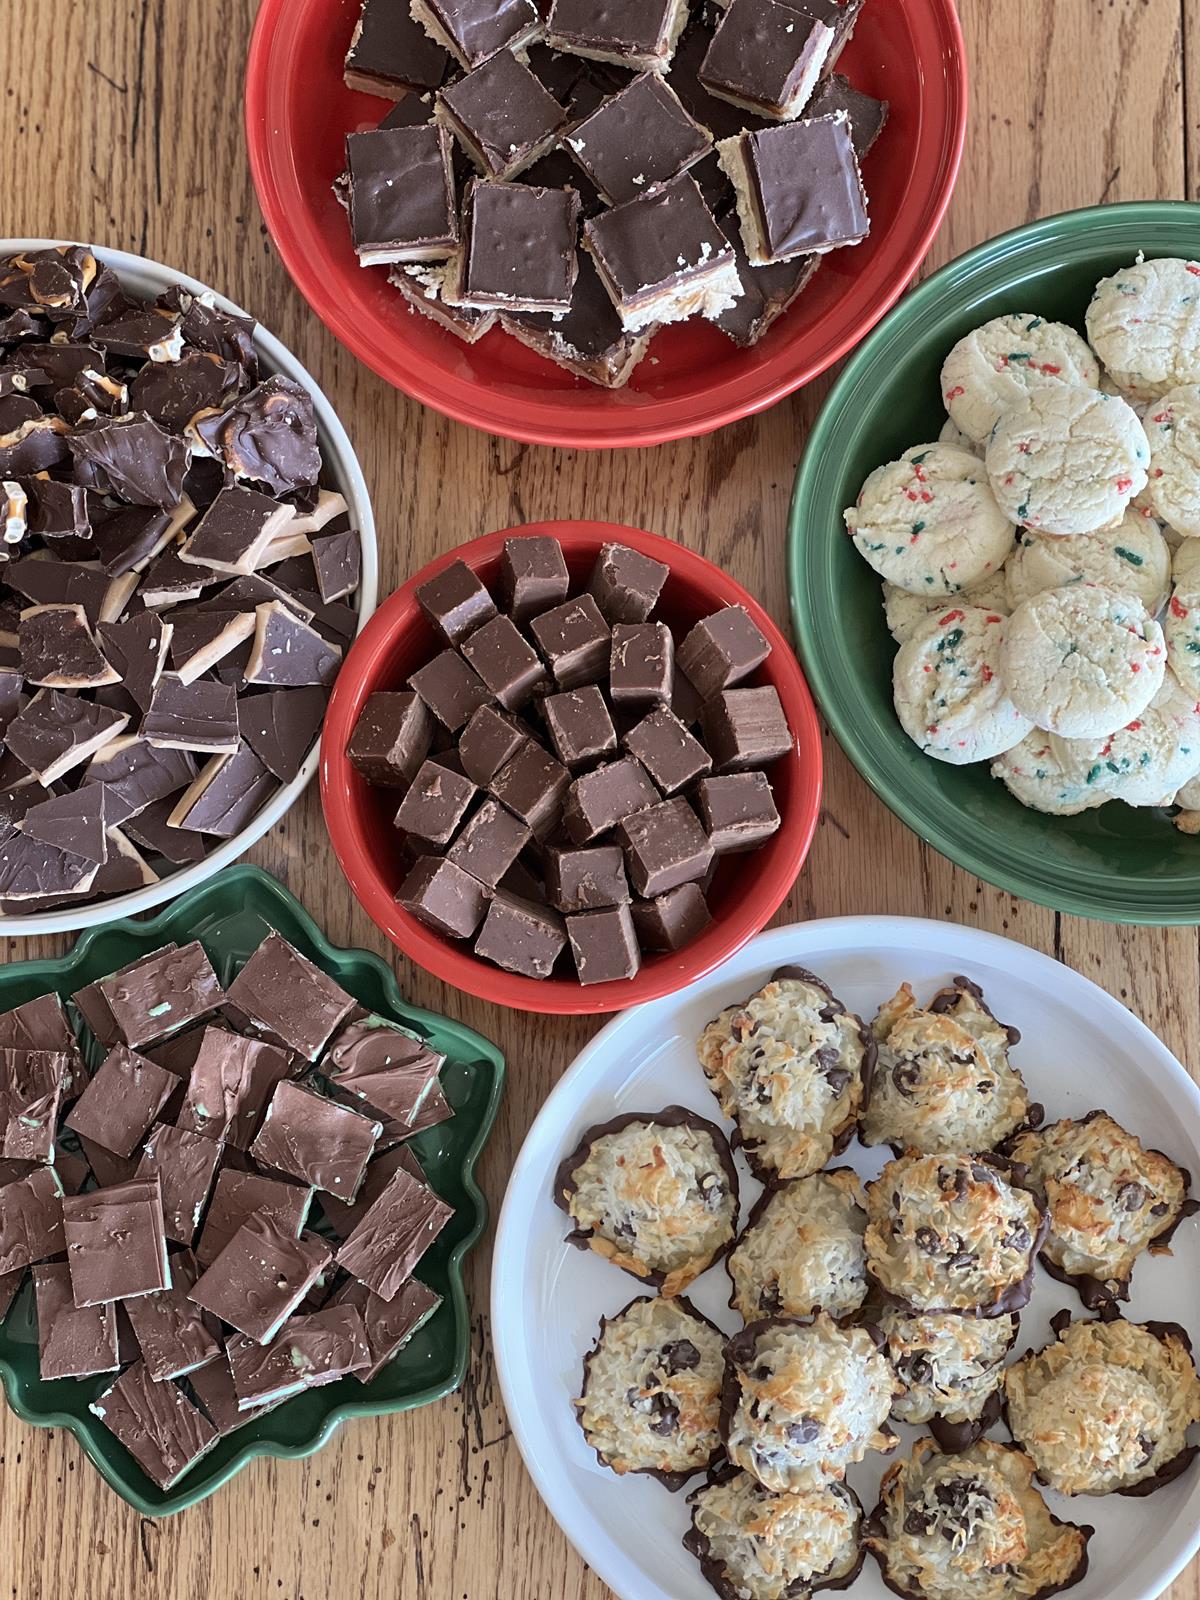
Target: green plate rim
[
  {"x": 262, "y": 884},
  {"x": 1116, "y": 223}
]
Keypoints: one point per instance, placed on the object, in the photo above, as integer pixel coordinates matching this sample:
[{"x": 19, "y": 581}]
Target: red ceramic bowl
[
  {"x": 747, "y": 889},
  {"x": 298, "y": 111}
]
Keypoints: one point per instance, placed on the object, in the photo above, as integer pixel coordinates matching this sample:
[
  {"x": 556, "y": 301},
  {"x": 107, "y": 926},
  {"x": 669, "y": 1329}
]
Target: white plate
[{"x": 1079, "y": 1049}]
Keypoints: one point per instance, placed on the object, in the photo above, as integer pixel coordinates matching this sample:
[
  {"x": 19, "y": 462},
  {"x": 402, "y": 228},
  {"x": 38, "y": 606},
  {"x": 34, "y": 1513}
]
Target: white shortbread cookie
[
  {"x": 1173, "y": 429},
  {"x": 1067, "y": 460},
  {"x": 1146, "y": 762},
  {"x": 1144, "y": 324},
  {"x": 1082, "y": 661},
  {"x": 1034, "y": 774},
  {"x": 929, "y": 523},
  {"x": 906, "y": 612},
  {"x": 1132, "y": 558},
  {"x": 1181, "y": 628},
  {"x": 993, "y": 368},
  {"x": 952, "y": 434},
  {"x": 949, "y": 692}
]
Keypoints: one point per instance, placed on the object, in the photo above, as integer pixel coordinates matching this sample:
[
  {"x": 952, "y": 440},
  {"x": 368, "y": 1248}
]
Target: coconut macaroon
[
  {"x": 753, "y": 1544},
  {"x": 651, "y": 1396},
  {"x": 943, "y": 1080},
  {"x": 789, "y": 1067},
  {"x": 1109, "y": 1199},
  {"x": 950, "y": 1370},
  {"x": 653, "y": 1192},
  {"x": 1106, "y": 1407},
  {"x": 802, "y": 1249},
  {"x": 953, "y": 1233},
  {"x": 971, "y": 1524},
  {"x": 802, "y": 1401}
]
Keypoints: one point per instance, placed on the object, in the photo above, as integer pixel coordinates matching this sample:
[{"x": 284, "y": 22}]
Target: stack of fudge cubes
[
  {"x": 571, "y": 773},
  {"x": 585, "y": 174},
  {"x": 166, "y": 1204}
]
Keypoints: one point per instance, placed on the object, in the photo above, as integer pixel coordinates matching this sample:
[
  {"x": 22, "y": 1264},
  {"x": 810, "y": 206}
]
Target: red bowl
[
  {"x": 747, "y": 889},
  {"x": 298, "y": 112}
]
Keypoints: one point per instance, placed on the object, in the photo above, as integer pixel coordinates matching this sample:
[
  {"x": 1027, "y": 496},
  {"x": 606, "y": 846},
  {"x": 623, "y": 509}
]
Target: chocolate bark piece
[
  {"x": 125, "y": 869},
  {"x": 94, "y": 1008},
  {"x": 213, "y": 1387},
  {"x": 456, "y": 602},
  {"x": 200, "y": 640},
  {"x": 520, "y": 936},
  {"x": 474, "y": 30},
  {"x": 170, "y": 581},
  {"x": 641, "y": 663},
  {"x": 507, "y": 663},
  {"x": 533, "y": 576},
  {"x": 867, "y": 115},
  {"x": 388, "y": 1324},
  {"x": 143, "y": 333},
  {"x": 386, "y": 1073},
  {"x": 287, "y": 652},
  {"x": 337, "y": 558},
  {"x": 533, "y": 786},
  {"x": 444, "y": 897},
  {"x": 174, "y": 392},
  {"x": 310, "y": 1138},
  {"x": 116, "y": 1247},
  {"x": 587, "y": 879},
  {"x": 134, "y": 535},
  {"x": 62, "y": 514},
  {"x": 223, "y": 797},
  {"x": 260, "y": 1277},
  {"x": 30, "y": 871},
  {"x": 201, "y": 715},
  {"x": 133, "y": 458},
  {"x": 31, "y": 1089},
  {"x": 518, "y": 247},
  {"x": 670, "y": 754},
  {"x": 73, "y": 1341},
  {"x": 56, "y": 732},
  {"x": 138, "y": 649},
  {"x": 309, "y": 1352},
  {"x": 601, "y": 799},
  {"x": 107, "y": 1169},
  {"x": 234, "y": 532},
  {"x": 77, "y": 821},
  {"x": 10, "y": 1284},
  {"x": 575, "y": 640},
  {"x": 767, "y": 56},
  {"x": 280, "y": 726},
  {"x": 580, "y": 727},
  {"x": 434, "y": 1109},
  {"x": 450, "y": 688},
  {"x": 425, "y": 287},
  {"x": 167, "y": 991},
  {"x": 207, "y": 327},
  {"x": 745, "y": 728},
  {"x": 626, "y": 584},
  {"x": 31, "y": 1219},
  {"x": 489, "y": 843},
  {"x": 54, "y": 280},
  {"x": 239, "y": 1196},
  {"x": 391, "y": 738},
  {"x": 435, "y": 804},
  {"x": 268, "y": 436},
  {"x": 638, "y": 34},
  {"x": 58, "y": 650},
  {"x": 343, "y": 1218},
  {"x": 664, "y": 847},
  {"x": 387, "y": 1243},
  {"x": 738, "y": 811},
  {"x": 136, "y": 773},
  {"x": 38, "y": 444},
  {"x": 799, "y": 190},
  {"x": 490, "y": 738},
  {"x": 721, "y": 650},
  {"x": 286, "y": 996},
  {"x": 390, "y": 53},
  {"x": 402, "y": 194},
  {"x": 671, "y": 920},
  {"x": 231, "y": 1081},
  {"x": 122, "y": 1101},
  {"x": 185, "y": 1164},
  {"x": 41, "y": 1024},
  {"x": 501, "y": 115},
  {"x": 173, "y": 1334},
  {"x": 53, "y": 582},
  {"x": 639, "y": 137},
  {"x": 157, "y": 1424},
  {"x": 178, "y": 1053},
  {"x": 604, "y": 945}
]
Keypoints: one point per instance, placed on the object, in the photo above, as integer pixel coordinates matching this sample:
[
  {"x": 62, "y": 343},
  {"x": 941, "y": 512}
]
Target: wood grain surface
[{"x": 121, "y": 123}]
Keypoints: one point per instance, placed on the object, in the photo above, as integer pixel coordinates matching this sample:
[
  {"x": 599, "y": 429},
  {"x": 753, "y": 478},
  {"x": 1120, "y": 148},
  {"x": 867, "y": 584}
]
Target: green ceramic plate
[
  {"x": 231, "y": 915},
  {"x": 1116, "y": 863}
]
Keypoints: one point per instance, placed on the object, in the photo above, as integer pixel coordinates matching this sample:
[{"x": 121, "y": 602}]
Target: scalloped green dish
[{"x": 231, "y": 915}]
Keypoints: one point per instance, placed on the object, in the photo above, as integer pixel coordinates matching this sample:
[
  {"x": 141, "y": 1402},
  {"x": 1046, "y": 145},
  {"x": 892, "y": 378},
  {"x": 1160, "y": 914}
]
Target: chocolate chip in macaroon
[
  {"x": 804, "y": 1431},
  {"x": 680, "y": 1355},
  {"x": 1131, "y": 1196},
  {"x": 928, "y": 1240}
]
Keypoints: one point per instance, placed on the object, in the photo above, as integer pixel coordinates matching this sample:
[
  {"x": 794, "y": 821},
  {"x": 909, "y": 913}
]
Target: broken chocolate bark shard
[
  {"x": 311, "y": 1138},
  {"x": 518, "y": 247},
  {"x": 167, "y": 991},
  {"x": 202, "y": 640},
  {"x": 58, "y": 650},
  {"x": 31, "y": 1225},
  {"x": 285, "y": 995},
  {"x": 391, "y": 738},
  {"x": 280, "y": 726},
  {"x": 287, "y": 653},
  {"x": 73, "y": 1341},
  {"x": 444, "y": 897},
  {"x": 56, "y": 732},
  {"x": 520, "y": 936},
  {"x": 337, "y": 559},
  {"x": 174, "y": 392},
  {"x": 260, "y": 1277},
  {"x": 134, "y": 458},
  {"x": 231, "y": 1081},
  {"x": 150, "y": 829},
  {"x": 309, "y": 1351},
  {"x": 32, "y": 1084},
  {"x": 224, "y": 795},
  {"x": 52, "y": 582},
  {"x": 116, "y": 1247},
  {"x": 174, "y": 1335},
  {"x": 185, "y": 1164},
  {"x": 234, "y": 531},
  {"x": 156, "y": 1423},
  {"x": 390, "y": 53},
  {"x": 268, "y": 436},
  {"x": 501, "y": 115},
  {"x": 799, "y": 190},
  {"x": 136, "y": 773},
  {"x": 77, "y": 821},
  {"x": 241, "y": 1195},
  {"x": 402, "y": 194},
  {"x": 30, "y": 870},
  {"x": 388, "y": 1242},
  {"x": 389, "y": 1324},
  {"x": 639, "y": 137},
  {"x": 192, "y": 716}
]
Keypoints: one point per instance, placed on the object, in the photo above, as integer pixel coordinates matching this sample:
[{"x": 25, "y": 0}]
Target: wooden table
[{"x": 121, "y": 123}]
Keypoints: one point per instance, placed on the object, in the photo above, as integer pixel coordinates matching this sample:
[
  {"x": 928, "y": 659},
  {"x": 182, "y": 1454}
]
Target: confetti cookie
[
  {"x": 1067, "y": 460},
  {"x": 1043, "y": 774},
  {"x": 993, "y": 368},
  {"x": 1081, "y": 660},
  {"x": 949, "y": 691},
  {"x": 950, "y": 1370},
  {"x": 952, "y": 434},
  {"x": 906, "y": 612},
  {"x": 802, "y": 1249},
  {"x": 1106, "y": 1407},
  {"x": 929, "y": 523},
  {"x": 1132, "y": 558},
  {"x": 1145, "y": 762},
  {"x": 1173, "y": 429},
  {"x": 1144, "y": 324}
]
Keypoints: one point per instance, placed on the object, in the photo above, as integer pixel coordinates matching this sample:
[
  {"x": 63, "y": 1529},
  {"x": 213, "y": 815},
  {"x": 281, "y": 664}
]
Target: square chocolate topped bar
[
  {"x": 402, "y": 204},
  {"x": 501, "y": 115},
  {"x": 639, "y": 137},
  {"x": 767, "y": 55},
  {"x": 390, "y": 53},
  {"x": 868, "y": 116},
  {"x": 474, "y": 30},
  {"x": 638, "y": 34},
  {"x": 518, "y": 248},
  {"x": 799, "y": 190},
  {"x": 589, "y": 339}
]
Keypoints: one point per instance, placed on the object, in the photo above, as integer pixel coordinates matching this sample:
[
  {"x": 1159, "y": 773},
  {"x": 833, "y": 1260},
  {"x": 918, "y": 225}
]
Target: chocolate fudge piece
[
  {"x": 589, "y": 339},
  {"x": 641, "y": 663},
  {"x": 116, "y": 1246},
  {"x": 671, "y": 920},
  {"x": 390, "y": 53},
  {"x": 625, "y": 584},
  {"x": 201, "y": 715},
  {"x": 231, "y": 1080},
  {"x": 234, "y": 532},
  {"x": 586, "y": 879},
  {"x": 520, "y": 936},
  {"x": 533, "y": 575},
  {"x": 280, "y": 726},
  {"x": 388, "y": 1324},
  {"x": 31, "y": 1219},
  {"x": 308, "y": 1352},
  {"x": 670, "y": 754},
  {"x": 450, "y": 688},
  {"x": 387, "y": 1243},
  {"x": 241, "y": 1195},
  {"x": 580, "y": 727},
  {"x": 639, "y": 137},
  {"x": 799, "y": 190},
  {"x": 391, "y": 738},
  {"x": 474, "y": 30},
  {"x": 489, "y": 740},
  {"x": 73, "y": 1341},
  {"x": 501, "y": 115},
  {"x": 507, "y": 663},
  {"x": 173, "y": 1334},
  {"x": 286, "y": 996},
  {"x": 638, "y": 34},
  {"x": 664, "y": 847},
  {"x": 745, "y": 728},
  {"x": 402, "y": 195},
  {"x": 57, "y": 732},
  {"x": 444, "y": 897},
  {"x": 662, "y": 257},
  {"x": 489, "y": 844},
  {"x": 260, "y": 1277},
  {"x": 575, "y": 640},
  {"x": 601, "y": 799},
  {"x": 721, "y": 650},
  {"x": 185, "y": 1165},
  {"x": 58, "y": 650},
  {"x": 604, "y": 945},
  {"x": 310, "y": 1138},
  {"x": 456, "y": 602},
  {"x": 518, "y": 247},
  {"x": 532, "y": 785},
  {"x": 224, "y": 795},
  {"x": 767, "y": 55},
  {"x": 166, "y": 991},
  {"x": 122, "y": 1101},
  {"x": 157, "y": 1424},
  {"x": 287, "y": 652},
  {"x": 738, "y": 811},
  {"x": 868, "y": 116},
  {"x": 435, "y": 804}
]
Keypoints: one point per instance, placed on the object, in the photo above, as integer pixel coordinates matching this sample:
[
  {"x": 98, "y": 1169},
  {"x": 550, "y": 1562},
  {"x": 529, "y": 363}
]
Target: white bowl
[{"x": 149, "y": 278}]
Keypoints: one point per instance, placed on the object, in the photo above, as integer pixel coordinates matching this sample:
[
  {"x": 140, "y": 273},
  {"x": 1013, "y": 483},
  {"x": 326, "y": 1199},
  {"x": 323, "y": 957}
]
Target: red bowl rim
[
  {"x": 547, "y": 421},
  {"x": 461, "y": 967}
]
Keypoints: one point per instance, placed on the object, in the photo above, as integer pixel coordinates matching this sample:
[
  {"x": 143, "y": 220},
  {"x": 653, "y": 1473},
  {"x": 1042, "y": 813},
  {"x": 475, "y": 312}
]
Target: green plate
[
  {"x": 231, "y": 915},
  {"x": 1115, "y": 863}
]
